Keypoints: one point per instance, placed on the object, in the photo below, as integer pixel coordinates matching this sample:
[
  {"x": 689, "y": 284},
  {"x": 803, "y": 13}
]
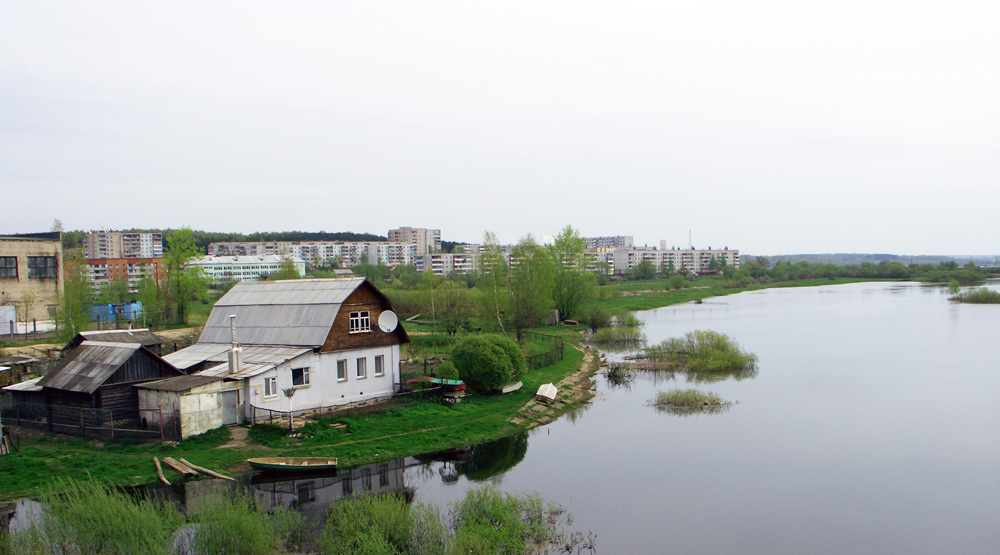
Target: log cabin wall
[{"x": 364, "y": 298}]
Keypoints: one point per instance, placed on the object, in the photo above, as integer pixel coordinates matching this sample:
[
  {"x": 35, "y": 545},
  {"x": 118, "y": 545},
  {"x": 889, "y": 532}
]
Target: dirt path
[{"x": 573, "y": 389}]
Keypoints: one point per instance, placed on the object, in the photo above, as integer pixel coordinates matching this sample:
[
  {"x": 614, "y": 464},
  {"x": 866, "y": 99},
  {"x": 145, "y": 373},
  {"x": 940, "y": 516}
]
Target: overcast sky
[{"x": 771, "y": 127}]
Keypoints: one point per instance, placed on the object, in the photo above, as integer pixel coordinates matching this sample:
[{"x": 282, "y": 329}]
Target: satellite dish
[{"x": 387, "y": 321}]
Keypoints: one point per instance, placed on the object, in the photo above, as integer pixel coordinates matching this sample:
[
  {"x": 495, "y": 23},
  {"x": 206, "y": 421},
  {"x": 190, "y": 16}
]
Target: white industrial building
[{"x": 244, "y": 268}]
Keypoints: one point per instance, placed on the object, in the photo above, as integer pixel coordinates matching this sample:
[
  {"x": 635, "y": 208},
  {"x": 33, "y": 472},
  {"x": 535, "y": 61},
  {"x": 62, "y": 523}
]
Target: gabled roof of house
[
  {"x": 89, "y": 366},
  {"x": 140, "y": 336},
  {"x": 292, "y": 313}
]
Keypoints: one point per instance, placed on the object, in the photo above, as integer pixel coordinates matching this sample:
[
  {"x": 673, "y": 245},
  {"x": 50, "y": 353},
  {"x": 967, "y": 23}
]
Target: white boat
[
  {"x": 546, "y": 393},
  {"x": 511, "y": 387}
]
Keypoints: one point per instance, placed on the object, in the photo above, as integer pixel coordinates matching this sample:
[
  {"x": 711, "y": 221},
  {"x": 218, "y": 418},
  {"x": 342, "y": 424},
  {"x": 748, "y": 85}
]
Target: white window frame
[
  {"x": 360, "y": 322},
  {"x": 342, "y": 365},
  {"x": 305, "y": 377},
  {"x": 362, "y": 367},
  {"x": 270, "y": 385},
  {"x": 379, "y": 365}
]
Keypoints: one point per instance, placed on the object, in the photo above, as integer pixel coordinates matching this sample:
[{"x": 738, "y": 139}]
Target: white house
[{"x": 302, "y": 345}]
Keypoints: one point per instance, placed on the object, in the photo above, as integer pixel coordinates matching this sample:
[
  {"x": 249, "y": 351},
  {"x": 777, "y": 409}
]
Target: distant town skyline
[{"x": 865, "y": 127}]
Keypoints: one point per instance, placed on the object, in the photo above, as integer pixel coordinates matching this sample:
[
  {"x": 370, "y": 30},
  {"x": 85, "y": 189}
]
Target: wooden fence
[{"x": 548, "y": 358}]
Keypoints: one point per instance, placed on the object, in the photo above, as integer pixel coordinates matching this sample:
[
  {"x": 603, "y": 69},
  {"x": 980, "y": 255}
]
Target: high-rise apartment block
[
  {"x": 615, "y": 242},
  {"x": 426, "y": 240},
  {"x": 122, "y": 244}
]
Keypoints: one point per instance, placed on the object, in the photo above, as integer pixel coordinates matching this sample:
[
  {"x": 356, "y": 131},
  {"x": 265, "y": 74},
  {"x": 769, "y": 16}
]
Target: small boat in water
[
  {"x": 546, "y": 393},
  {"x": 293, "y": 464}
]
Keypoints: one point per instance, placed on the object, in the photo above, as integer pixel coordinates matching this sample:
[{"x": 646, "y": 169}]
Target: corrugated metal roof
[
  {"x": 246, "y": 371},
  {"x": 26, "y": 385},
  {"x": 180, "y": 383},
  {"x": 188, "y": 357},
  {"x": 141, "y": 336},
  {"x": 293, "y": 312},
  {"x": 87, "y": 367},
  {"x": 293, "y": 291},
  {"x": 215, "y": 352}
]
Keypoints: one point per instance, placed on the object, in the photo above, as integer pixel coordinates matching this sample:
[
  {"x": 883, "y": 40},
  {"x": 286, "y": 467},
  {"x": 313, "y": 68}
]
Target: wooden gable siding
[
  {"x": 122, "y": 400},
  {"x": 141, "y": 367},
  {"x": 363, "y": 298},
  {"x": 64, "y": 408}
]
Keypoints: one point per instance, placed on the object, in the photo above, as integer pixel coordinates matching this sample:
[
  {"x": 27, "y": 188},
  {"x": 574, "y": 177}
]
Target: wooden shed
[{"x": 95, "y": 384}]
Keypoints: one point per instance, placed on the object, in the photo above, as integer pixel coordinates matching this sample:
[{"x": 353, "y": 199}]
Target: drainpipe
[{"x": 234, "y": 352}]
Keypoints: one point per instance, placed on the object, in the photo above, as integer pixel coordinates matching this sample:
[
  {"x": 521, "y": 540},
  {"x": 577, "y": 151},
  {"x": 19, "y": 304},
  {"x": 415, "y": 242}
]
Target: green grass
[
  {"x": 980, "y": 295},
  {"x": 686, "y": 398},
  {"x": 421, "y": 427}
]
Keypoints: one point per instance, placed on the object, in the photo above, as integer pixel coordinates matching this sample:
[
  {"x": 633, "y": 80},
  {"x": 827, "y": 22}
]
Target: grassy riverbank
[
  {"x": 413, "y": 428},
  {"x": 422, "y": 426}
]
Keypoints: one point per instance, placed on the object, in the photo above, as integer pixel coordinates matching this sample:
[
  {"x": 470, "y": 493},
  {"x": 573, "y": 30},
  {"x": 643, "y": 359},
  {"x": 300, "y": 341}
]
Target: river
[{"x": 872, "y": 427}]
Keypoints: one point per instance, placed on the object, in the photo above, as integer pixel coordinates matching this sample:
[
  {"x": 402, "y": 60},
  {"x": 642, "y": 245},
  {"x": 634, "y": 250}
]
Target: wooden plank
[
  {"x": 159, "y": 471},
  {"x": 207, "y": 472},
  {"x": 180, "y": 467}
]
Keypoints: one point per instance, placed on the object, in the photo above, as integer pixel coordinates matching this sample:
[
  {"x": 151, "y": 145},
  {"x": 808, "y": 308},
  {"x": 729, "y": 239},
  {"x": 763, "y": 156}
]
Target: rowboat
[
  {"x": 293, "y": 464},
  {"x": 546, "y": 393}
]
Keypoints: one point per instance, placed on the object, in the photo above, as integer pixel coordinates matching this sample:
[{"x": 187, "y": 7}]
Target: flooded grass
[
  {"x": 685, "y": 402},
  {"x": 980, "y": 295},
  {"x": 704, "y": 355}
]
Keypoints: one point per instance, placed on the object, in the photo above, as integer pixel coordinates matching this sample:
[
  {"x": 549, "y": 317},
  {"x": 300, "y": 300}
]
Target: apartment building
[
  {"x": 693, "y": 260},
  {"x": 31, "y": 276},
  {"x": 442, "y": 264},
  {"x": 243, "y": 268},
  {"x": 426, "y": 240},
  {"x": 122, "y": 244},
  {"x": 102, "y": 271},
  {"x": 616, "y": 242},
  {"x": 346, "y": 253}
]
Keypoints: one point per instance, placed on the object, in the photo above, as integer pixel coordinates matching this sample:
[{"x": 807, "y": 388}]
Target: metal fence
[
  {"x": 144, "y": 425},
  {"x": 549, "y": 357}
]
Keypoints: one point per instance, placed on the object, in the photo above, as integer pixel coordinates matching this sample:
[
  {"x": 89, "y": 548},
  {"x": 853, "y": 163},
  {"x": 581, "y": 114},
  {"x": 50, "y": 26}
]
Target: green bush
[
  {"x": 446, "y": 371},
  {"x": 372, "y": 525},
  {"x": 518, "y": 361},
  {"x": 704, "y": 351},
  {"x": 597, "y": 318},
  {"x": 233, "y": 525},
  {"x": 486, "y": 365},
  {"x": 981, "y": 295}
]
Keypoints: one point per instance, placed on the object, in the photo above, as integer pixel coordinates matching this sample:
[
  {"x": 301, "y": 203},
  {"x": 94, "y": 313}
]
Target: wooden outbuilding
[{"x": 95, "y": 384}]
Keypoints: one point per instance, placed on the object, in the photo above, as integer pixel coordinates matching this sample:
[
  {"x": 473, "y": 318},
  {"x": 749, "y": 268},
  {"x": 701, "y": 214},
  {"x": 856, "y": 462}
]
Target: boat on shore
[
  {"x": 291, "y": 465},
  {"x": 546, "y": 393}
]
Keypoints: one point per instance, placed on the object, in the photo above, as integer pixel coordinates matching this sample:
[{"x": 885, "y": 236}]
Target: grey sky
[{"x": 772, "y": 127}]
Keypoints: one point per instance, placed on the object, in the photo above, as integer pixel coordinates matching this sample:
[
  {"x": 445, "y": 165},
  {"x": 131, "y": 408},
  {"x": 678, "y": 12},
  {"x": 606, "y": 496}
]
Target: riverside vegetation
[
  {"x": 88, "y": 517},
  {"x": 979, "y": 295}
]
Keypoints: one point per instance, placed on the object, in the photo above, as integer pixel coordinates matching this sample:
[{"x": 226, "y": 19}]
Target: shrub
[
  {"x": 233, "y": 525},
  {"x": 368, "y": 524},
  {"x": 687, "y": 398},
  {"x": 981, "y": 295},
  {"x": 518, "y": 361},
  {"x": 486, "y": 362},
  {"x": 446, "y": 371},
  {"x": 597, "y": 318},
  {"x": 704, "y": 351}
]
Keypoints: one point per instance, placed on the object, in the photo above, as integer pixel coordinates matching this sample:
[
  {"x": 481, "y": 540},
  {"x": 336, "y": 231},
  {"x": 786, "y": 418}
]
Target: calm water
[{"x": 873, "y": 427}]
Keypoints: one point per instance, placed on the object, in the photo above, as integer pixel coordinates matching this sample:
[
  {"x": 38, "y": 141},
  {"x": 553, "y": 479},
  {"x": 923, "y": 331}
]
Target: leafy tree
[
  {"x": 530, "y": 285},
  {"x": 375, "y": 273},
  {"x": 184, "y": 283},
  {"x": 77, "y": 298},
  {"x": 286, "y": 270},
  {"x": 454, "y": 307},
  {"x": 153, "y": 297},
  {"x": 492, "y": 267},
  {"x": 643, "y": 270},
  {"x": 713, "y": 264},
  {"x": 572, "y": 283},
  {"x": 115, "y": 292},
  {"x": 597, "y": 318}
]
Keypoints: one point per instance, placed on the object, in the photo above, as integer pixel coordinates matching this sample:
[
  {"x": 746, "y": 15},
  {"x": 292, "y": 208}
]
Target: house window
[
  {"x": 8, "y": 266},
  {"x": 345, "y": 483},
  {"x": 271, "y": 386},
  {"x": 383, "y": 475},
  {"x": 380, "y": 365},
  {"x": 360, "y": 321},
  {"x": 341, "y": 370},
  {"x": 300, "y": 377},
  {"x": 41, "y": 267},
  {"x": 362, "y": 368},
  {"x": 366, "y": 479}
]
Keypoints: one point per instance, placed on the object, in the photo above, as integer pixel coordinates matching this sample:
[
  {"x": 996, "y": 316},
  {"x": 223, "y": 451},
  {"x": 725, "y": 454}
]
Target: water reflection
[
  {"x": 481, "y": 462},
  {"x": 692, "y": 411}
]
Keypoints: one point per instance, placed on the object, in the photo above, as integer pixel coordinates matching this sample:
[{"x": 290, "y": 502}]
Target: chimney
[{"x": 234, "y": 352}]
